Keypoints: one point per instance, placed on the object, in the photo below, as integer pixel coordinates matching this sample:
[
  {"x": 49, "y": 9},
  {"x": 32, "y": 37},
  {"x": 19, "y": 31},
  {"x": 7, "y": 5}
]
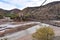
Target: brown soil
[{"x": 27, "y": 37}]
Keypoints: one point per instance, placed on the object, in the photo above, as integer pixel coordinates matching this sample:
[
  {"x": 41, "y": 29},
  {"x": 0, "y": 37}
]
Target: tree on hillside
[
  {"x": 44, "y": 33},
  {"x": 26, "y": 17}
]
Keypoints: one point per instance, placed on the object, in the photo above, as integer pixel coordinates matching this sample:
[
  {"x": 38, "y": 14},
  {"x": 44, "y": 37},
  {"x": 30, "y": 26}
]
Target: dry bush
[{"x": 44, "y": 33}]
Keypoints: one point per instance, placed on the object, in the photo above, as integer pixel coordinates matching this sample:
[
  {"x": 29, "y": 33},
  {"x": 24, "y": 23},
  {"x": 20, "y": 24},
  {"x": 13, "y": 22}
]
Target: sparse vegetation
[
  {"x": 26, "y": 17},
  {"x": 1, "y": 16},
  {"x": 12, "y": 16},
  {"x": 44, "y": 33}
]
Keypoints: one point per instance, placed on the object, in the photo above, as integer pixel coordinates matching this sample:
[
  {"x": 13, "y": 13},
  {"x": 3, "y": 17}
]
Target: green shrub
[
  {"x": 44, "y": 33},
  {"x": 12, "y": 16}
]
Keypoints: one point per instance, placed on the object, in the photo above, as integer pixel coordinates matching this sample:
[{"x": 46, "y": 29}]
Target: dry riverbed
[
  {"x": 56, "y": 30},
  {"x": 19, "y": 26}
]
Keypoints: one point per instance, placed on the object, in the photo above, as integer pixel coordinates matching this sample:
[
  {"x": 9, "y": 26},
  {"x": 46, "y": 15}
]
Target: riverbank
[{"x": 26, "y": 33}]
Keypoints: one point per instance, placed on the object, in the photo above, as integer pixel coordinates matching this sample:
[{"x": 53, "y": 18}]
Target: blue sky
[{"x": 21, "y": 4}]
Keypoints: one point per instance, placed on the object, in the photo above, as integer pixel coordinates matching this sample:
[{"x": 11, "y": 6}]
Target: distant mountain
[{"x": 13, "y": 11}]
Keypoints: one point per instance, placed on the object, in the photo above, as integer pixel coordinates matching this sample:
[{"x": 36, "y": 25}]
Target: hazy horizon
[{"x": 21, "y": 4}]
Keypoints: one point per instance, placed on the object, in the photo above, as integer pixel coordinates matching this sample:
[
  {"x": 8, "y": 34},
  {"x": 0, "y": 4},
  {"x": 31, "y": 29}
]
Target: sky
[{"x": 21, "y": 4}]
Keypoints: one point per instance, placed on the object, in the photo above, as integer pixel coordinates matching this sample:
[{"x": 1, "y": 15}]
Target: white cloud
[
  {"x": 6, "y": 6},
  {"x": 22, "y": 3}
]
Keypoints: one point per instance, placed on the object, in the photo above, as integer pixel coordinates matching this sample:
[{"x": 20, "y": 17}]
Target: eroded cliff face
[{"x": 49, "y": 11}]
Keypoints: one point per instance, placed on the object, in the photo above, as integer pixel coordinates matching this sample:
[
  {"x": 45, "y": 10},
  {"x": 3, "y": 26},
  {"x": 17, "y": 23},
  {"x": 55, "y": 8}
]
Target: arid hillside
[{"x": 50, "y": 11}]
